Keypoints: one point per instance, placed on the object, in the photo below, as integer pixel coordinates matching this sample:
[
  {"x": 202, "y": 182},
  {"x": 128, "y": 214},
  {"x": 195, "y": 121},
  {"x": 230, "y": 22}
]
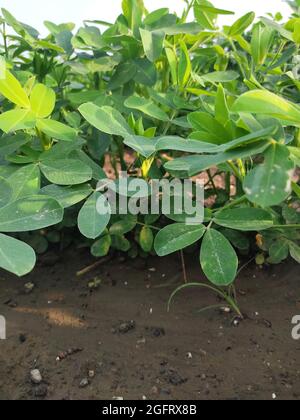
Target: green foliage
[{"x": 159, "y": 96}]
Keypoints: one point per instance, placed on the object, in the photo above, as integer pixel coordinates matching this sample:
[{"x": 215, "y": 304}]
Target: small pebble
[
  {"x": 84, "y": 383},
  {"x": 36, "y": 377}
]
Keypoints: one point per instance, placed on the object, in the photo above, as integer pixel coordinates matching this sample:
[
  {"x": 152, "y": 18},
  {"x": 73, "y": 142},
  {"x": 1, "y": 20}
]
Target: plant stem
[
  {"x": 211, "y": 180},
  {"x": 150, "y": 226},
  {"x": 5, "y": 40},
  {"x": 235, "y": 170},
  {"x": 183, "y": 267},
  {"x": 238, "y": 61},
  {"x": 286, "y": 227}
]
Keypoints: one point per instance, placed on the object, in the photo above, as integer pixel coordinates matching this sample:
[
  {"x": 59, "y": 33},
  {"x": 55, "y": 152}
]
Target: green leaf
[
  {"x": 16, "y": 256},
  {"x": 106, "y": 119},
  {"x": 67, "y": 196},
  {"x": 215, "y": 10},
  {"x": 145, "y": 72},
  {"x": 121, "y": 243},
  {"x": 146, "y": 239},
  {"x": 66, "y": 171},
  {"x": 177, "y": 237},
  {"x": 152, "y": 43},
  {"x": 184, "y": 66},
  {"x": 296, "y": 189},
  {"x": 261, "y": 42},
  {"x": 267, "y": 103},
  {"x": 172, "y": 60},
  {"x": 205, "y": 14},
  {"x": 279, "y": 251},
  {"x": 133, "y": 10},
  {"x": 26, "y": 181},
  {"x": 124, "y": 73},
  {"x": 155, "y": 16},
  {"x": 5, "y": 192},
  {"x": 42, "y": 101},
  {"x": 218, "y": 258},
  {"x": 11, "y": 143},
  {"x": 270, "y": 183},
  {"x": 79, "y": 98},
  {"x": 56, "y": 130},
  {"x": 193, "y": 165},
  {"x": 279, "y": 28},
  {"x": 30, "y": 213},
  {"x": 183, "y": 145},
  {"x": 101, "y": 247},
  {"x": 238, "y": 239},
  {"x": 202, "y": 121},
  {"x": 122, "y": 227},
  {"x": 147, "y": 107},
  {"x": 11, "y": 89},
  {"x": 17, "y": 119},
  {"x": 221, "y": 107},
  {"x": 241, "y": 24},
  {"x": 295, "y": 251},
  {"x": 192, "y": 28},
  {"x": 143, "y": 145},
  {"x": 98, "y": 172},
  {"x": 91, "y": 221},
  {"x": 221, "y": 76},
  {"x": 244, "y": 219}
]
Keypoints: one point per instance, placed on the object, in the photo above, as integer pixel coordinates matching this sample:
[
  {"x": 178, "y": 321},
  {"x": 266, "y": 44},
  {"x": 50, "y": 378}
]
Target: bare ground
[{"x": 122, "y": 340}]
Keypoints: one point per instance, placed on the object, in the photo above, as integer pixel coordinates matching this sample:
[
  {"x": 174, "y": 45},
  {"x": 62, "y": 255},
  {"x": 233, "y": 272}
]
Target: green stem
[
  {"x": 237, "y": 59},
  {"x": 235, "y": 170},
  {"x": 5, "y": 40},
  {"x": 150, "y": 226},
  {"x": 211, "y": 180},
  {"x": 286, "y": 227},
  {"x": 234, "y": 203}
]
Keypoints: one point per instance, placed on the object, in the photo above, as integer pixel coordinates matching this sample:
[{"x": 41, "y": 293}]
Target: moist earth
[{"x": 108, "y": 334}]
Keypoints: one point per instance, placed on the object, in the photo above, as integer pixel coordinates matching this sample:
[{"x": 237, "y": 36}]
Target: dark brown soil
[{"x": 122, "y": 336}]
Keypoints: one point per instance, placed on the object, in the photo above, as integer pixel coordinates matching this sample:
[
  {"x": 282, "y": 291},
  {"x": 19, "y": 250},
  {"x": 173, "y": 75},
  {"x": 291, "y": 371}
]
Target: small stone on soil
[
  {"x": 36, "y": 377},
  {"x": 84, "y": 383},
  {"x": 124, "y": 327}
]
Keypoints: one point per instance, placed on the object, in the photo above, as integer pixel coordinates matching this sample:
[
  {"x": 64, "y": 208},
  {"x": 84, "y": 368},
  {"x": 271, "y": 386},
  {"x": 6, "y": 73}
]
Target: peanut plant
[{"x": 183, "y": 98}]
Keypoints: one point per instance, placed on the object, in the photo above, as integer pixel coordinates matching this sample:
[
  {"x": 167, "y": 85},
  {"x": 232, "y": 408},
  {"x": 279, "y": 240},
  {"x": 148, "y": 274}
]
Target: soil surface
[{"x": 118, "y": 341}]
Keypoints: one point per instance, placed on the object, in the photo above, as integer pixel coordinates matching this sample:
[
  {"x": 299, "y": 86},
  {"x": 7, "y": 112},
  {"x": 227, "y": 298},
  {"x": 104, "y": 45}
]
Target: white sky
[{"x": 34, "y": 12}]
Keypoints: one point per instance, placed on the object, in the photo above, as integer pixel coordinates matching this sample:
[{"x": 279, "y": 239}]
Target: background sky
[{"x": 34, "y": 12}]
